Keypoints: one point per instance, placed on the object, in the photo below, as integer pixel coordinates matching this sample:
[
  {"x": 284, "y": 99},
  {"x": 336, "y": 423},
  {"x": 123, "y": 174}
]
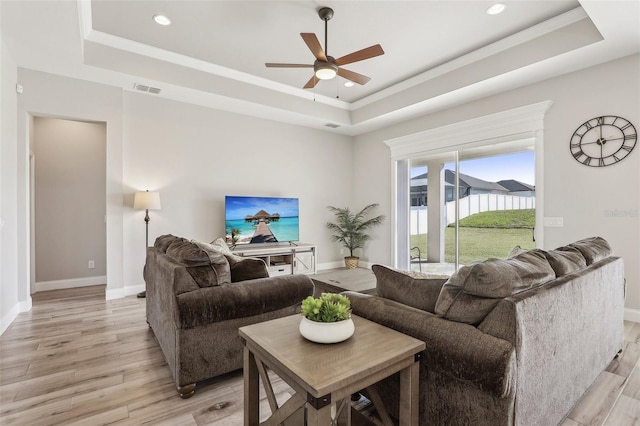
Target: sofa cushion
[
  {"x": 474, "y": 290},
  {"x": 241, "y": 300},
  {"x": 565, "y": 260},
  {"x": 242, "y": 268},
  {"x": 208, "y": 268},
  {"x": 413, "y": 289},
  {"x": 163, "y": 241},
  {"x": 593, "y": 249}
]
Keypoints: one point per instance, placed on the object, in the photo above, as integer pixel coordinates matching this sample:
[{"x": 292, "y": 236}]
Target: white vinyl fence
[{"x": 472, "y": 204}]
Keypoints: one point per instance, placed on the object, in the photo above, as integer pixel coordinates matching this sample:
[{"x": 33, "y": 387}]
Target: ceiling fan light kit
[
  {"x": 325, "y": 70},
  {"x": 326, "y": 67}
]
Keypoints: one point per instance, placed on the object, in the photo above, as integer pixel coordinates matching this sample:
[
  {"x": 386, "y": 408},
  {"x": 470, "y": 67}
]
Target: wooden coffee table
[{"x": 322, "y": 375}]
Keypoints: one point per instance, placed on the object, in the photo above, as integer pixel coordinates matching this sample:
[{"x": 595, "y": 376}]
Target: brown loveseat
[
  {"x": 198, "y": 295},
  {"x": 508, "y": 341}
]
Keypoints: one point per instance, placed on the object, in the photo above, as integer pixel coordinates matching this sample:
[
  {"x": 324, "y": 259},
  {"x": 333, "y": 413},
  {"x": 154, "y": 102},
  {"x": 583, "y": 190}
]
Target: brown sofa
[
  {"x": 198, "y": 295},
  {"x": 508, "y": 341}
]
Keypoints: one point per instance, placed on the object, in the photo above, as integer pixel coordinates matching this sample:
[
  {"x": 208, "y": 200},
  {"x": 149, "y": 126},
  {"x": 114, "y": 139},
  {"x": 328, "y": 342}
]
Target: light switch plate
[{"x": 556, "y": 222}]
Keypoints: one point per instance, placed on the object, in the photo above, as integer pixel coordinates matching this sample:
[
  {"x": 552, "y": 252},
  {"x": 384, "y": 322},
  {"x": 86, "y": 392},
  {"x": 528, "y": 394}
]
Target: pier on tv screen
[{"x": 251, "y": 220}]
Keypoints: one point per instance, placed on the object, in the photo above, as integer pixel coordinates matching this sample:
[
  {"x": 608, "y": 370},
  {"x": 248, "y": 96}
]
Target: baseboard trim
[
  {"x": 8, "y": 319},
  {"x": 119, "y": 293},
  {"x": 632, "y": 315},
  {"x": 70, "y": 283}
]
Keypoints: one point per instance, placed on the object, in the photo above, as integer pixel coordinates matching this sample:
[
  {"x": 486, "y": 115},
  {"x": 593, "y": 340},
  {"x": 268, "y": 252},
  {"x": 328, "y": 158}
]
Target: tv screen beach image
[{"x": 253, "y": 220}]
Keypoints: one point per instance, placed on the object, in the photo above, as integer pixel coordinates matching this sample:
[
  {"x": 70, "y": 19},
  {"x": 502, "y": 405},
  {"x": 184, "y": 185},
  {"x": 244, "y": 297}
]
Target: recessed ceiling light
[
  {"x": 162, "y": 19},
  {"x": 496, "y": 8},
  {"x": 348, "y": 84}
]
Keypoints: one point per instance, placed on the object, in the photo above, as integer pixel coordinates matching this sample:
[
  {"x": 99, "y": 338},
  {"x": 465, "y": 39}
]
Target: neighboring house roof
[
  {"x": 473, "y": 182},
  {"x": 516, "y": 186},
  {"x": 508, "y": 185}
]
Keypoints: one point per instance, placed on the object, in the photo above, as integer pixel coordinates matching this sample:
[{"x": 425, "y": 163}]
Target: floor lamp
[{"x": 146, "y": 201}]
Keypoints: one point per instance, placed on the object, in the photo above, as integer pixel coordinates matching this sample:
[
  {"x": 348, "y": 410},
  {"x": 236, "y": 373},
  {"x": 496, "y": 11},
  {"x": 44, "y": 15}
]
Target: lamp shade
[{"x": 147, "y": 201}]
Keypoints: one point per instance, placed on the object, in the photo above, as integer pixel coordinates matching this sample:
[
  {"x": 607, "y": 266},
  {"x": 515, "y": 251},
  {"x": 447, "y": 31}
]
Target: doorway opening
[{"x": 68, "y": 203}]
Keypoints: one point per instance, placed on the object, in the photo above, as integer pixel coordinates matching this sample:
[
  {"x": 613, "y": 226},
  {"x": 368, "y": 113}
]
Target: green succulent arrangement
[{"x": 329, "y": 307}]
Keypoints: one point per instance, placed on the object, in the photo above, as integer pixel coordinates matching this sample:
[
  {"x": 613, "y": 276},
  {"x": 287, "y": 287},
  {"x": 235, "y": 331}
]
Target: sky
[{"x": 520, "y": 167}]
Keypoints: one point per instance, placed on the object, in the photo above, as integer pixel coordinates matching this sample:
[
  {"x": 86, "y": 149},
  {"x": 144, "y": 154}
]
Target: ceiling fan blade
[
  {"x": 361, "y": 55},
  {"x": 353, "y": 76},
  {"x": 314, "y": 46},
  {"x": 272, "y": 65},
  {"x": 311, "y": 83}
]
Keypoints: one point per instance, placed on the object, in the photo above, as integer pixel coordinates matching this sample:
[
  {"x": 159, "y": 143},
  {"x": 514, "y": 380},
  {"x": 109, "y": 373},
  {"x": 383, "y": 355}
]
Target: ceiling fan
[{"x": 326, "y": 67}]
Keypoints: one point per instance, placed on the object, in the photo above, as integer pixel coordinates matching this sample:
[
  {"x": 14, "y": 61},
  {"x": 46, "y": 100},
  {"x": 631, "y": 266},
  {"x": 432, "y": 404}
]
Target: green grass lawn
[
  {"x": 494, "y": 235},
  {"x": 501, "y": 219}
]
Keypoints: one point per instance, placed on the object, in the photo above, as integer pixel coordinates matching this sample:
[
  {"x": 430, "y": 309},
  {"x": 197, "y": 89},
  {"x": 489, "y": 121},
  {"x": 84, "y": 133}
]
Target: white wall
[
  {"x": 9, "y": 301},
  {"x": 584, "y": 196},
  {"x": 70, "y": 203},
  {"x": 194, "y": 156},
  {"x": 49, "y": 95}
]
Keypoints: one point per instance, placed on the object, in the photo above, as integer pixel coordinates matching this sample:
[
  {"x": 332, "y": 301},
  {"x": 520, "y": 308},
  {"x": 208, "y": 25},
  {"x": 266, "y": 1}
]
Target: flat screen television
[{"x": 261, "y": 219}]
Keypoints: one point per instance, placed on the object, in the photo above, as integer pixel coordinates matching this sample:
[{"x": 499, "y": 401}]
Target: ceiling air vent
[
  {"x": 332, "y": 125},
  {"x": 143, "y": 88}
]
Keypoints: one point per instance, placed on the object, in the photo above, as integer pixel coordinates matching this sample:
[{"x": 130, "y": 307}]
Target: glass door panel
[
  {"x": 469, "y": 205},
  {"x": 496, "y": 206}
]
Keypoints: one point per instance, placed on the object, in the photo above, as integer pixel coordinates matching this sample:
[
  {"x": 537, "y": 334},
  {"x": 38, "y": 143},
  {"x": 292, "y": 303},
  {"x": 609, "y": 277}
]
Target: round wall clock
[{"x": 603, "y": 141}]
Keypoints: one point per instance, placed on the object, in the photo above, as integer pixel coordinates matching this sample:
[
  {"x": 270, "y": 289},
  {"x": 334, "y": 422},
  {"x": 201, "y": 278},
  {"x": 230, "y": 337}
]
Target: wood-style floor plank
[{"x": 78, "y": 359}]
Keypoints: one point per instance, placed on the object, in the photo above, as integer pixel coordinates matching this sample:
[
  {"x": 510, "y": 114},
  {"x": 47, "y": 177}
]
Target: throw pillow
[
  {"x": 206, "y": 269},
  {"x": 593, "y": 249},
  {"x": 565, "y": 260},
  {"x": 474, "y": 290},
  {"x": 221, "y": 245},
  {"x": 515, "y": 251},
  {"x": 414, "y": 289},
  {"x": 163, "y": 241},
  {"x": 242, "y": 268}
]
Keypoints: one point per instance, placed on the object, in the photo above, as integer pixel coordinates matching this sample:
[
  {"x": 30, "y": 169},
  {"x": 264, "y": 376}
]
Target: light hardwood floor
[{"x": 78, "y": 359}]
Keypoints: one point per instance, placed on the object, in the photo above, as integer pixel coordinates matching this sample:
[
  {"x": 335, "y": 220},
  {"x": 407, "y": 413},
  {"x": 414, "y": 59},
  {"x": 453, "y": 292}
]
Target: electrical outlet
[
  {"x": 92, "y": 264},
  {"x": 342, "y": 251}
]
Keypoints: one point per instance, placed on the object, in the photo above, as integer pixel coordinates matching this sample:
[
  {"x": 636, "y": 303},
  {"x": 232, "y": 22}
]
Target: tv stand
[{"x": 282, "y": 259}]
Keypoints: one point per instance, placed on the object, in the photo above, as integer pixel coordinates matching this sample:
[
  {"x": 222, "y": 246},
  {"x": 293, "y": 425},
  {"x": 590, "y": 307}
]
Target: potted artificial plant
[
  {"x": 326, "y": 319},
  {"x": 350, "y": 230}
]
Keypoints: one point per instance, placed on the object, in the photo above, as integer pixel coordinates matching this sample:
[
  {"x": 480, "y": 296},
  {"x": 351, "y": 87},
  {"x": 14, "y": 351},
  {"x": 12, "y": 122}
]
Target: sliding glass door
[
  {"x": 472, "y": 204},
  {"x": 466, "y": 218}
]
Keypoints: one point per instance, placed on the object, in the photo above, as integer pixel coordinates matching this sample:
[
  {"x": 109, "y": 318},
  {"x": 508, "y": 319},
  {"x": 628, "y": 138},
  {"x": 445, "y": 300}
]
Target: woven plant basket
[{"x": 351, "y": 262}]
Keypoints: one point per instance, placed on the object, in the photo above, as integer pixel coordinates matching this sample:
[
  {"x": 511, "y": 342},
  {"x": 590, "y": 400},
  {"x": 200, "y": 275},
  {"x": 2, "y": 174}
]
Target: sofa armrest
[
  {"x": 247, "y": 268},
  {"x": 458, "y": 350},
  {"x": 241, "y": 300}
]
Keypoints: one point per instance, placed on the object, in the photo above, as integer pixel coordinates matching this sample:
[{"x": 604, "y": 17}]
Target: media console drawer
[{"x": 276, "y": 270}]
